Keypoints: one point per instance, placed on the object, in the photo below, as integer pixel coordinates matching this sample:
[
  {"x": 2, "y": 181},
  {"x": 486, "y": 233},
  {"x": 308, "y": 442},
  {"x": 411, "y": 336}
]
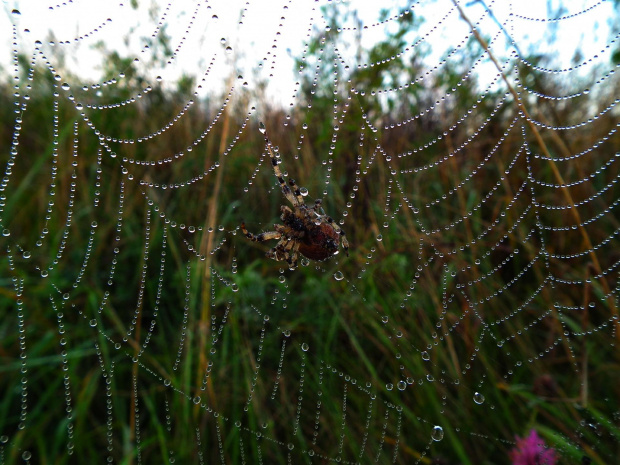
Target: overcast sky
[{"x": 217, "y": 26}]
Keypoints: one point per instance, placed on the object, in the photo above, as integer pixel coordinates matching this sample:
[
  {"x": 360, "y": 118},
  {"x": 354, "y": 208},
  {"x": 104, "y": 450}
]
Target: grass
[{"x": 233, "y": 358}]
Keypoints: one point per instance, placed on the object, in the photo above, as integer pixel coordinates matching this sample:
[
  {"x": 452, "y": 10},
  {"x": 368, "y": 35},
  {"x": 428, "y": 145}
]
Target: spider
[{"x": 306, "y": 230}]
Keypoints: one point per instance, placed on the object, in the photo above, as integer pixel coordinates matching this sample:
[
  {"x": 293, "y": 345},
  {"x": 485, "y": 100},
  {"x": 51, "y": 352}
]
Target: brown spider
[{"x": 306, "y": 230}]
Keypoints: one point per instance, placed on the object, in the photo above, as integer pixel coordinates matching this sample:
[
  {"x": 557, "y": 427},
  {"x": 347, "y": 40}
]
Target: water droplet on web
[
  {"x": 389, "y": 386},
  {"x": 92, "y": 323},
  {"x": 379, "y": 238},
  {"x": 65, "y": 86},
  {"x": 303, "y": 191},
  {"x": 437, "y": 433},
  {"x": 4, "y": 439},
  {"x": 229, "y": 50},
  {"x": 261, "y": 128},
  {"x": 401, "y": 385},
  {"x": 15, "y": 12},
  {"x": 385, "y": 319},
  {"x": 338, "y": 276},
  {"x": 425, "y": 356},
  {"x": 26, "y": 254},
  {"x": 234, "y": 288},
  {"x": 6, "y": 232},
  {"x": 196, "y": 400},
  {"x": 26, "y": 455},
  {"x": 478, "y": 398},
  {"x": 305, "y": 347}
]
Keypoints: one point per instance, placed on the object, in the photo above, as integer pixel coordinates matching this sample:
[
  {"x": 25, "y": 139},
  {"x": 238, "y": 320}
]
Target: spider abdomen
[{"x": 320, "y": 242}]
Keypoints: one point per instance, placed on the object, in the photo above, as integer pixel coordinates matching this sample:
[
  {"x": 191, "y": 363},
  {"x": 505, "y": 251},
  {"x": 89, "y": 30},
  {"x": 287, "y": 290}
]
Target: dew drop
[
  {"x": 261, "y": 128},
  {"x": 6, "y": 232},
  {"x": 15, "y": 12},
  {"x": 305, "y": 347},
  {"x": 478, "y": 398},
  {"x": 437, "y": 434},
  {"x": 303, "y": 191},
  {"x": 338, "y": 276}
]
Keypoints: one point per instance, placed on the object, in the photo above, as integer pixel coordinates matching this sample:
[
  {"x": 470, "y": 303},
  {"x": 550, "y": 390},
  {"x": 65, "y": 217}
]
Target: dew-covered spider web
[{"x": 468, "y": 149}]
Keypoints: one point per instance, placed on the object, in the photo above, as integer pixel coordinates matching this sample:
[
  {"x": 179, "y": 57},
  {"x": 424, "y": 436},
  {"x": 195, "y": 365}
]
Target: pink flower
[{"x": 532, "y": 451}]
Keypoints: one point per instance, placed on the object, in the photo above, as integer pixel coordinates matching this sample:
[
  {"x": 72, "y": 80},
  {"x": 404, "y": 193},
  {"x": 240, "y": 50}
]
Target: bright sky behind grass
[{"x": 253, "y": 40}]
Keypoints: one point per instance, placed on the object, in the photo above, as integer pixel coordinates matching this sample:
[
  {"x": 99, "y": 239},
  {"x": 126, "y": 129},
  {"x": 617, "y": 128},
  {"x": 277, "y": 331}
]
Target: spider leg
[
  {"x": 289, "y": 253},
  {"x": 318, "y": 207},
  {"x": 294, "y": 256},
  {"x": 343, "y": 239},
  {"x": 286, "y": 212},
  {"x": 262, "y": 237},
  {"x": 280, "y": 251},
  {"x": 296, "y": 191},
  {"x": 276, "y": 169}
]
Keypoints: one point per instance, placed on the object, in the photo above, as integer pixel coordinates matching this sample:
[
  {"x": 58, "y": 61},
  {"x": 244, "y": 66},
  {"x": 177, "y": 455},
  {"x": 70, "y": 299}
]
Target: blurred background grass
[{"x": 135, "y": 241}]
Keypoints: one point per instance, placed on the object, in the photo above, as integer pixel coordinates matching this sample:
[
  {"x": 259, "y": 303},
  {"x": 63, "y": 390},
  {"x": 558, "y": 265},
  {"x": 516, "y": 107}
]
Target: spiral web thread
[{"x": 501, "y": 232}]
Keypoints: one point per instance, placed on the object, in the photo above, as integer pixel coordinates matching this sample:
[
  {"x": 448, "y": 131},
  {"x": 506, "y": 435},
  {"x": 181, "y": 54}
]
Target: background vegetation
[{"x": 94, "y": 256}]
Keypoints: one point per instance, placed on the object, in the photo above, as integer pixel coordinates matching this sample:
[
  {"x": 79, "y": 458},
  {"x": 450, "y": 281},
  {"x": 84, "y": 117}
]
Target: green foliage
[{"x": 343, "y": 321}]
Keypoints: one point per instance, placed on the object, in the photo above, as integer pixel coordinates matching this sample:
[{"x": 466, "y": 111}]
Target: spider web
[{"x": 471, "y": 161}]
